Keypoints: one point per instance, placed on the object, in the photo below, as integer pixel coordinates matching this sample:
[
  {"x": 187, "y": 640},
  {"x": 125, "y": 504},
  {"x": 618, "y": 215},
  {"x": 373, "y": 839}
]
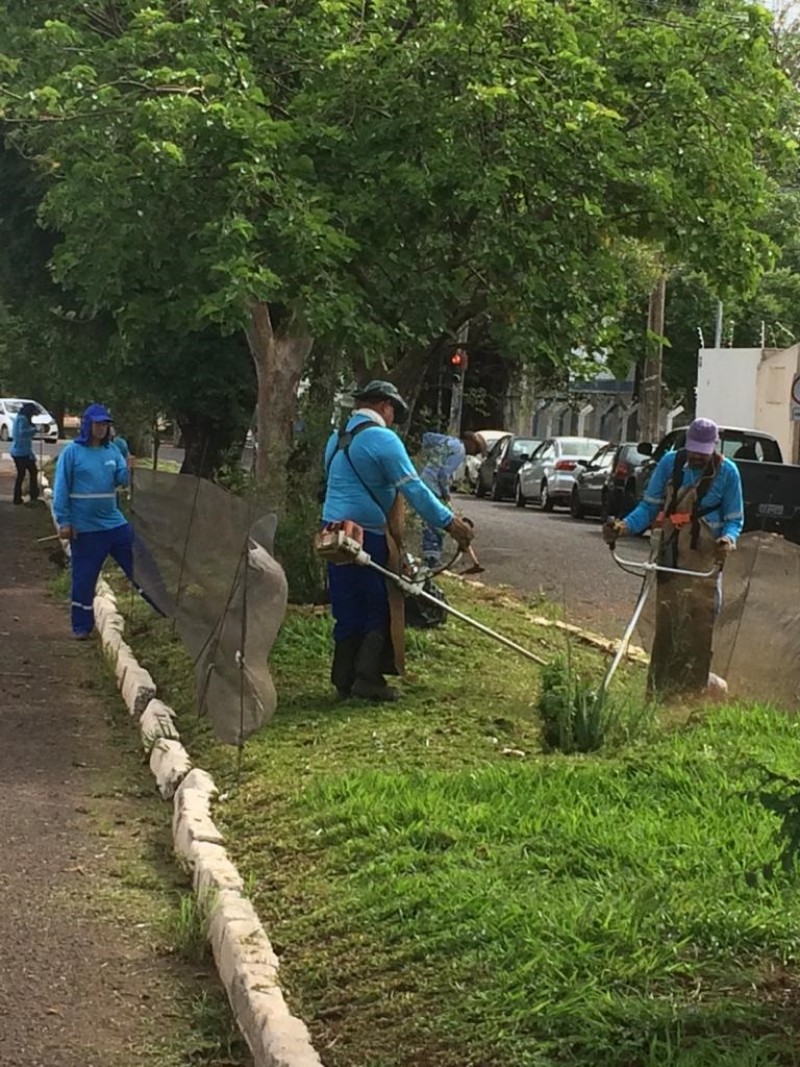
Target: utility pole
[
  {"x": 458, "y": 365},
  {"x": 718, "y": 327},
  {"x": 650, "y": 389}
]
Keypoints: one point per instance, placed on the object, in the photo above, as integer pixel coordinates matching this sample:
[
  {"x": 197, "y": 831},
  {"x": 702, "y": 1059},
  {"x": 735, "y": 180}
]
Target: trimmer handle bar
[{"x": 646, "y": 567}]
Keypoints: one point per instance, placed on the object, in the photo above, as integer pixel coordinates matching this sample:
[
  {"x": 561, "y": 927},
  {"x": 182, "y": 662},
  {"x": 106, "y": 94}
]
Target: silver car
[{"x": 549, "y": 474}]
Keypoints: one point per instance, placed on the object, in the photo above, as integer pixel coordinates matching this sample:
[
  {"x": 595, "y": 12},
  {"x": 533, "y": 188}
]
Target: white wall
[
  {"x": 750, "y": 387},
  {"x": 727, "y": 385},
  {"x": 773, "y": 408}
]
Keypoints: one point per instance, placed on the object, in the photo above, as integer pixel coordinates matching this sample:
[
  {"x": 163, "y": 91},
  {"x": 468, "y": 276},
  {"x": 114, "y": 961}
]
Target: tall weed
[{"x": 576, "y": 717}]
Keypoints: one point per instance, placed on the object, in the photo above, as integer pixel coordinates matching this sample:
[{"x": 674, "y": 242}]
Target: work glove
[
  {"x": 462, "y": 532},
  {"x": 67, "y": 533},
  {"x": 722, "y": 549},
  {"x": 613, "y": 529}
]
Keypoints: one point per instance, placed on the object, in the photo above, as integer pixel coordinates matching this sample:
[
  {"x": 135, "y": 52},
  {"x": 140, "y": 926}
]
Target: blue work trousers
[
  {"x": 359, "y": 601},
  {"x": 89, "y": 553}
]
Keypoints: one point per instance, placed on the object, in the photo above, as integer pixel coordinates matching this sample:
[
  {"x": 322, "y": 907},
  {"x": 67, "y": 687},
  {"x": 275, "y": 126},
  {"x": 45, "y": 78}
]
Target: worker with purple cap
[{"x": 694, "y": 503}]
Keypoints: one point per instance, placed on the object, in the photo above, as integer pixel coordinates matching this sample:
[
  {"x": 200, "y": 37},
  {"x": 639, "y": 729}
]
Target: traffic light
[{"x": 458, "y": 364}]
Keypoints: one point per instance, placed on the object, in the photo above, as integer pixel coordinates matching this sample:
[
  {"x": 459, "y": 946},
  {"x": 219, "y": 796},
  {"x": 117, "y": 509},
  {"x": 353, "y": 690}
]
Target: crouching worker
[
  {"x": 88, "y": 473},
  {"x": 366, "y": 469},
  {"x": 694, "y": 503},
  {"x": 442, "y": 457}
]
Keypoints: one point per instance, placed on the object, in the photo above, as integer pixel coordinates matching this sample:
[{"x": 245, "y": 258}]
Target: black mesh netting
[
  {"x": 203, "y": 556},
  {"x": 756, "y": 643}
]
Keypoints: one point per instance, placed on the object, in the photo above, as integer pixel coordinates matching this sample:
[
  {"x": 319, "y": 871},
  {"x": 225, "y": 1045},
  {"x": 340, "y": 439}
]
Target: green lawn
[{"x": 443, "y": 894}]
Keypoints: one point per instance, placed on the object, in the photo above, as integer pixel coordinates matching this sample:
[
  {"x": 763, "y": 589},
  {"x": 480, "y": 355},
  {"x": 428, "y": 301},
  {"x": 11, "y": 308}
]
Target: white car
[
  {"x": 9, "y": 409},
  {"x": 549, "y": 475}
]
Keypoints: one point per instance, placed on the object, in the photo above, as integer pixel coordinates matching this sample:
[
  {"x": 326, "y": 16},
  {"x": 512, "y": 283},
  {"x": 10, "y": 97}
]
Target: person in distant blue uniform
[
  {"x": 88, "y": 473},
  {"x": 366, "y": 468},
  {"x": 120, "y": 443},
  {"x": 442, "y": 456},
  {"x": 22, "y": 452}
]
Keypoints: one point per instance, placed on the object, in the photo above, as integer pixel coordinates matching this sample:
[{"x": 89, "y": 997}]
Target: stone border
[{"x": 245, "y": 959}]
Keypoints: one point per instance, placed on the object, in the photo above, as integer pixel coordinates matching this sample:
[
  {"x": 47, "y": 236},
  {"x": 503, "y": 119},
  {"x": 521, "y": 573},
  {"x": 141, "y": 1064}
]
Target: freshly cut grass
[{"x": 441, "y": 893}]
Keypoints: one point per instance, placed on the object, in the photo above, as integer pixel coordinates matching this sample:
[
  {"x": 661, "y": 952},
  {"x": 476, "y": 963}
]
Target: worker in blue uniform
[
  {"x": 368, "y": 472},
  {"x": 23, "y": 432},
  {"x": 693, "y": 501},
  {"x": 89, "y": 472}
]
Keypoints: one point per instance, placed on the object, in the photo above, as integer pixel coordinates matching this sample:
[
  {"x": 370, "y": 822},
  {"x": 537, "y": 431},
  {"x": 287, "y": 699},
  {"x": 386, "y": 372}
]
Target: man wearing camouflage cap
[{"x": 368, "y": 473}]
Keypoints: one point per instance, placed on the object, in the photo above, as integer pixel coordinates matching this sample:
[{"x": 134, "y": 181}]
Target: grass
[
  {"x": 187, "y": 927},
  {"x": 442, "y": 892}
]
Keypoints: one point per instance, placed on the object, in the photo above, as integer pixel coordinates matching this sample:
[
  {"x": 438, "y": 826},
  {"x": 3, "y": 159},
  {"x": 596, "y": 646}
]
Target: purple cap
[{"x": 702, "y": 436}]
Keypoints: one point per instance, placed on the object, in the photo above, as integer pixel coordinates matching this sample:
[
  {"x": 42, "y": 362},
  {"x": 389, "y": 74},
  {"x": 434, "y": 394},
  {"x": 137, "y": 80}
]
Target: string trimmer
[
  {"x": 342, "y": 543},
  {"x": 648, "y": 569}
]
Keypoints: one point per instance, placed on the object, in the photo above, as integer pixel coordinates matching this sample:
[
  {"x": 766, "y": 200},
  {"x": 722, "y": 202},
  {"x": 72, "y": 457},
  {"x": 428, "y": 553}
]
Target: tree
[{"x": 370, "y": 177}]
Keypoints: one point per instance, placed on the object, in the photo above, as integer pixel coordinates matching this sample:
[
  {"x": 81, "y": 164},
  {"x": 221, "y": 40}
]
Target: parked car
[
  {"x": 735, "y": 442},
  {"x": 549, "y": 474},
  {"x": 608, "y": 485},
  {"x": 9, "y": 409},
  {"x": 589, "y": 493},
  {"x": 770, "y": 487},
  {"x": 497, "y": 474}
]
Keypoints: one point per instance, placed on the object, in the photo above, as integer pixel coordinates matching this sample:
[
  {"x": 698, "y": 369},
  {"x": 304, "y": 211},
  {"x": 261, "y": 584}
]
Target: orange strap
[{"x": 679, "y": 519}]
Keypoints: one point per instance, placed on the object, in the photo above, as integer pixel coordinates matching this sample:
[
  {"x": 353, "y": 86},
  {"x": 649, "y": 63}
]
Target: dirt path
[{"x": 89, "y": 976}]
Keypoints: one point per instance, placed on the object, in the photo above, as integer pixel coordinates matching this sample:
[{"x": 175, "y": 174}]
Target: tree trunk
[{"x": 279, "y": 361}]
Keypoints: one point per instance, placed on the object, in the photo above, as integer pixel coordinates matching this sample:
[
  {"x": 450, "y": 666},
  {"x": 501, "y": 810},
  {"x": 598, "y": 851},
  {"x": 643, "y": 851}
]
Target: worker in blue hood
[
  {"x": 22, "y": 453},
  {"x": 89, "y": 472}
]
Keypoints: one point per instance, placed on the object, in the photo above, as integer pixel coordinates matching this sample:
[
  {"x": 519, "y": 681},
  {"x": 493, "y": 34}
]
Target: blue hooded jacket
[
  {"x": 23, "y": 432},
  {"x": 87, "y": 479}
]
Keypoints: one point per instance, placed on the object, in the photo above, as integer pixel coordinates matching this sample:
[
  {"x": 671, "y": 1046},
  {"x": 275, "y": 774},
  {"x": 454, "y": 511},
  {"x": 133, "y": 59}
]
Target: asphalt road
[
  {"x": 553, "y": 555},
  {"x": 558, "y": 557},
  {"x": 49, "y": 450}
]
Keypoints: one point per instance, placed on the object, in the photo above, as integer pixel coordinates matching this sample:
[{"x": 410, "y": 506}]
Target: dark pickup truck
[{"x": 771, "y": 488}]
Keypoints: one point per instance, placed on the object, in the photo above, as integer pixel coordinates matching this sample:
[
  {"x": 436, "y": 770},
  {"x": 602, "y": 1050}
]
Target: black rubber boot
[
  {"x": 370, "y": 683},
  {"x": 343, "y": 668}
]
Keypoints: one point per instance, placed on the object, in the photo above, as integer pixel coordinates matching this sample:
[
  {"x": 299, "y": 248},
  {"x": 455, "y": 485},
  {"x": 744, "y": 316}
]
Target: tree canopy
[{"x": 366, "y": 177}]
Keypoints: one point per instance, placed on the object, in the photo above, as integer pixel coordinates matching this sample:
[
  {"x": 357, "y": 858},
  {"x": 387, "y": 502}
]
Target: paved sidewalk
[{"x": 82, "y": 983}]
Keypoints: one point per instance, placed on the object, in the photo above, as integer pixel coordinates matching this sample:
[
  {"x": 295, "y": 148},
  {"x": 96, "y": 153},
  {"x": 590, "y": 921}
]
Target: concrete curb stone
[
  {"x": 169, "y": 763},
  {"x": 158, "y": 720},
  {"x": 138, "y": 689}
]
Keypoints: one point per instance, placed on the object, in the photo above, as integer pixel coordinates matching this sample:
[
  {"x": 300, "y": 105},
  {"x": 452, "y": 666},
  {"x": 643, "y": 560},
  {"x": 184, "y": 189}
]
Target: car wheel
[
  {"x": 519, "y": 499},
  {"x": 575, "y": 506},
  {"x": 496, "y": 494},
  {"x": 3, "y": 432},
  {"x": 545, "y": 499}
]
